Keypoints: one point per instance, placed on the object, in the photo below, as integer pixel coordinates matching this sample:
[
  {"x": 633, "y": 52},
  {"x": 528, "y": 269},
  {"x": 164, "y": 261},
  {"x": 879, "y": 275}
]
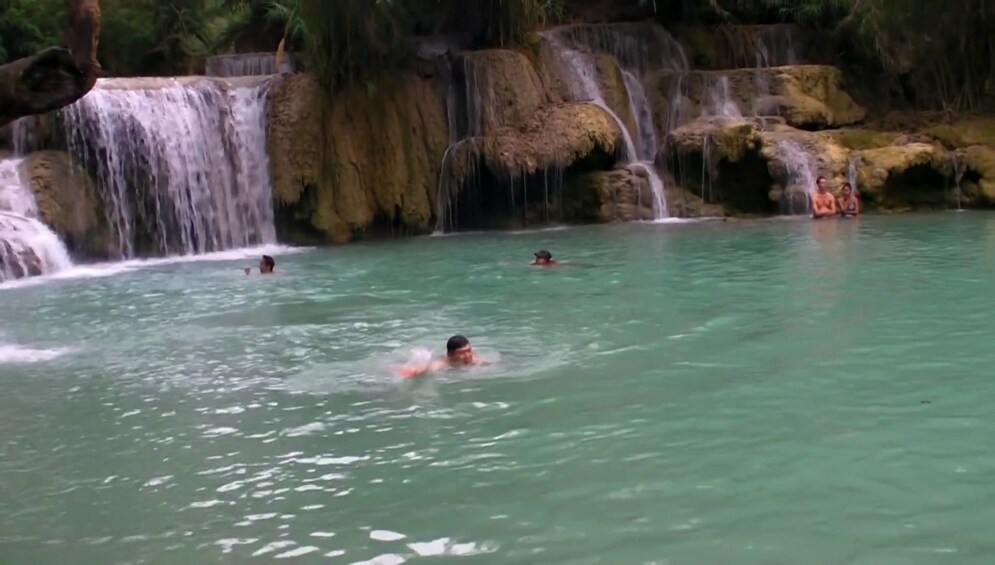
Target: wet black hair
[
  {"x": 456, "y": 342},
  {"x": 847, "y": 185},
  {"x": 543, "y": 254},
  {"x": 268, "y": 261},
  {"x": 818, "y": 179}
]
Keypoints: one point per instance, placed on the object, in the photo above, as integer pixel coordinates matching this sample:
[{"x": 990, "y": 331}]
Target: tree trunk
[{"x": 57, "y": 76}]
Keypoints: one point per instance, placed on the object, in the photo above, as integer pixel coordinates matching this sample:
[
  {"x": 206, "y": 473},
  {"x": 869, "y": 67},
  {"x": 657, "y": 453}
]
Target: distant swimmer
[
  {"x": 459, "y": 353},
  {"x": 823, "y": 203},
  {"x": 266, "y": 266},
  {"x": 544, "y": 258}
]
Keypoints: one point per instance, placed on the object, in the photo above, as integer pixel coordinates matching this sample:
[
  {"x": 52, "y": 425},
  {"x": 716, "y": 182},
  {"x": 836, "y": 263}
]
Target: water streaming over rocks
[
  {"x": 27, "y": 246},
  {"x": 636, "y": 50},
  {"x": 181, "y": 163}
]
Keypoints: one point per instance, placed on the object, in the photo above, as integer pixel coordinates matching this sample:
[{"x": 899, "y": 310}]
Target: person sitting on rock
[
  {"x": 848, "y": 204},
  {"x": 823, "y": 202}
]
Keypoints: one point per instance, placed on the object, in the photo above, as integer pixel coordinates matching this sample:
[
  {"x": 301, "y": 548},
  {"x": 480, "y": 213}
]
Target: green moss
[
  {"x": 965, "y": 133},
  {"x": 859, "y": 139}
]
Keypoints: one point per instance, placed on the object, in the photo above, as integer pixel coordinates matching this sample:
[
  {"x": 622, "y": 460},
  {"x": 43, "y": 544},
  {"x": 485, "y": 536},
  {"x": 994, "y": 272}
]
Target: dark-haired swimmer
[
  {"x": 459, "y": 353},
  {"x": 544, "y": 259},
  {"x": 266, "y": 266}
]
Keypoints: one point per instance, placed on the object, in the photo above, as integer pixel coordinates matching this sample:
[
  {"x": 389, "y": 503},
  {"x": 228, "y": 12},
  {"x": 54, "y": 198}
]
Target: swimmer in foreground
[
  {"x": 459, "y": 353},
  {"x": 266, "y": 266},
  {"x": 544, "y": 258}
]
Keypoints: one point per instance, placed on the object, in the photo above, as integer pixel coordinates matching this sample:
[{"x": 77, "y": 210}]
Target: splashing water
[
  {"x": 27, "y": 246},
  {"x": 180, "y": 163}
]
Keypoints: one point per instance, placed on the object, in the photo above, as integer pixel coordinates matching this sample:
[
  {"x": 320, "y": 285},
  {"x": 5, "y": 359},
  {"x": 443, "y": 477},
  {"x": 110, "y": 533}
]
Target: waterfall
[
  {"x": 582, "y": 82},
  {"x": 959, "y": 169},
  {"x": 181, "y": 163},
  {"x": 851, "y": 174},
  {"x": 720, "y": 101},
  {"x": 248, "y": 64},
  {"x": 801, "y": 175},
  {"x": 643, "y": 115},
  {"x": 464, "y": 114},
  {"x": 27, "y": 246}
]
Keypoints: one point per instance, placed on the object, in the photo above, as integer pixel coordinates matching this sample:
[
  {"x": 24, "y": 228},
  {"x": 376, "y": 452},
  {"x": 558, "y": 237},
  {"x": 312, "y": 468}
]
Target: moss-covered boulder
[
  {"x": 68, "y": 202},
  {"x": 359, "y": 161},
  {"x": 502, "y": 89},
  {"x": 909, "y": 176},
  {"x": 556, "y": 137}
]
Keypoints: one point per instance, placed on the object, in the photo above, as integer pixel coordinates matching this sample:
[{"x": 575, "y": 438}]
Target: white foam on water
[
  {"x": 100, "y": 270},
  {"x": 11, "y": 354},
  {"x": 386, "y": 535}
]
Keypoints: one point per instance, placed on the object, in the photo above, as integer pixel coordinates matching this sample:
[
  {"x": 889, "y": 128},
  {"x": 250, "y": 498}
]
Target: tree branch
[{"x": 57, "y": 76}]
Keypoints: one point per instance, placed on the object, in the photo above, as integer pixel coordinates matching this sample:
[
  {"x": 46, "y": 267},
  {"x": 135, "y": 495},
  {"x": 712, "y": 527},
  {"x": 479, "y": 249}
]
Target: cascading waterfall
[
  {"x": 248, "y": 64},
  {"x": 582, "y": 81},
  {"x": 720, "y": 100},
  {"x": 181, "y": 163},
  {"x": 959, "y": 169},
  {"x": 27, "y": 246},
  {"x": 851, "y": 174},
  {"x": 465, "y": 121},
  {"x": 801, "y": 176}
]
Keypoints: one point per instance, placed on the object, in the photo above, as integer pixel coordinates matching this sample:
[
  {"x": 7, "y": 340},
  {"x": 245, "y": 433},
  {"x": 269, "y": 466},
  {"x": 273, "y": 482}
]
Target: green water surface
[{"x": 760, "y": 393}]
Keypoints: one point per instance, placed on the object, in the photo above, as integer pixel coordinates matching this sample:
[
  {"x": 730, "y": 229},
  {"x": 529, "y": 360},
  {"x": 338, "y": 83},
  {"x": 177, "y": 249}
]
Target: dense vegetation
[{"x": 940, "y": 52}]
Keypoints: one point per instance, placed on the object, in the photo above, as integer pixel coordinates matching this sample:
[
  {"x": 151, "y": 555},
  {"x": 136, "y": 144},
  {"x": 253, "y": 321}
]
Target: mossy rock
[{"x": 68, "y": 202}]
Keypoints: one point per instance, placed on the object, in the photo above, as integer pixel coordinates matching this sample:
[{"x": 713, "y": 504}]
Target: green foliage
[{"x": 27, "y": 26}]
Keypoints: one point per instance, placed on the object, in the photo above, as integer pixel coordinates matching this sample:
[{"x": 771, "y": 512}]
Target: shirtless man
[
  {"x": 823, "y": 203},
  {"x": 459, "y": 353}
]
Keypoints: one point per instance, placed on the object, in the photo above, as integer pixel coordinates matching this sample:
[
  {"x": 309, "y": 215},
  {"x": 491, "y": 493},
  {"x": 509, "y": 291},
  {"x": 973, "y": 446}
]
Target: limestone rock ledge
[
  {"x": 68, "y": 202},
  {"x": 555, "y": 138},
  {"x": 362, "y": 160},
  {"x": 808, "y": 97},
  {"x": 745, "y": 160}
]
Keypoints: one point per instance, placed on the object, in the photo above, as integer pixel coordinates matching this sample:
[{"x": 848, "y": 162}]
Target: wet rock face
[
  {"x": 68, "y": 203},
  {"x": 807, "y": 96}
]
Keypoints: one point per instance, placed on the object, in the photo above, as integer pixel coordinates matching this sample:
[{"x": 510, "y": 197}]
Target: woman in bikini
[{"x": 848, "y": 204}]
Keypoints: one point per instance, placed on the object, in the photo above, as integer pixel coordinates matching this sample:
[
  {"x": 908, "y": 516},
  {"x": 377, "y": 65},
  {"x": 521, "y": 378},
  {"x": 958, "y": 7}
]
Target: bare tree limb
[{"x": 57, "y": 76}]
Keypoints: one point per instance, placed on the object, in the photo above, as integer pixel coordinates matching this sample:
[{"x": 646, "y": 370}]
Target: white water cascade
[
  {"x": 181, "y": 163},
  {"x": 583, "y": 84},
  {"x": 27, "y": 246},
  {"x": 801, "y": 176}
]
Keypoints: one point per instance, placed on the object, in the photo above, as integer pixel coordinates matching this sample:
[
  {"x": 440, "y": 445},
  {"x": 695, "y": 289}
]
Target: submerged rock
[{"x": 68, "y": 203}]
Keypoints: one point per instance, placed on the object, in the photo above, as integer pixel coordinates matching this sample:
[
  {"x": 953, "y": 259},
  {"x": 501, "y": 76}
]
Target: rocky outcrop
[
  {"x": 806, "y": 96},
  {"x": 358, "y": 161},
  {"x": 556, "y": 137},
  {"x": 68, "y": 203},
  {"x": 502, "y": 88}
]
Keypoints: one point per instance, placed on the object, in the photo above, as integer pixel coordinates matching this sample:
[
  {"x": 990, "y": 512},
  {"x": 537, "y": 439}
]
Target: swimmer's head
[
  {"x": 458, "y": 350},
  {"x": 266, "y": 264},
  {"x": 822, "y": 184},
  {"x": 847, "y": 190},
  {"x": 543, "y": 257}
]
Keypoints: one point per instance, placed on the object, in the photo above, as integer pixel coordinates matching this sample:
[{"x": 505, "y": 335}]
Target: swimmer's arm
[{"x": 418, "y": 370}]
